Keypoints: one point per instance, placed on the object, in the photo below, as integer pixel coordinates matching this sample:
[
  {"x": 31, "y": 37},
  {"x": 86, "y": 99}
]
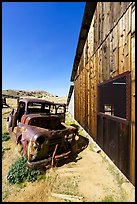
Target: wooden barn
[{"x": 103, "y": 74}]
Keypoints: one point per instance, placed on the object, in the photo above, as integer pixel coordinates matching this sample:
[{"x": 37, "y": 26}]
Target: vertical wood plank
[
  {"x": 121, "y": 56},
  {"x": 133, "y": 57},
  {"x": 132, "y": 154}
]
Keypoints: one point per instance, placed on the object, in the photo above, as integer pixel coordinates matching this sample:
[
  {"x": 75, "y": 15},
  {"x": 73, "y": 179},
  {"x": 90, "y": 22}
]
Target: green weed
[
  {"x": 5, "y": 136},
  {"x": 19, "y": 172},
  {"x": 108, "y": 199}
]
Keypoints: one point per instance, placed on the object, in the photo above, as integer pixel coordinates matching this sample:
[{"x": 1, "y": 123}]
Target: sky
[{"x": 39, "y": 41}]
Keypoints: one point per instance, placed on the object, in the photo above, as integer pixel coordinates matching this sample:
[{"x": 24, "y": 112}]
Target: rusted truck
[{"x": 39, "y": 127}]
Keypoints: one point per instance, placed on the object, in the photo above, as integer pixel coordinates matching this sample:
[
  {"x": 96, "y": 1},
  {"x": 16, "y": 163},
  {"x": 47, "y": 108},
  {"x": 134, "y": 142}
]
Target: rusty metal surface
[
  {"x": 42, "y": 120},
  {"x": 37, "y": 100},
  {"x": 37, "y": 164},
  {"x": 39, "y": 143},
  {"x": 43, "y": 136}
]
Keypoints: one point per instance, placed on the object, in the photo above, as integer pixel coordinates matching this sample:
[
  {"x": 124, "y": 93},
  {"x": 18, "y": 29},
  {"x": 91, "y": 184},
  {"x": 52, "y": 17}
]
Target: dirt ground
[{"x": 88, "y": 177}]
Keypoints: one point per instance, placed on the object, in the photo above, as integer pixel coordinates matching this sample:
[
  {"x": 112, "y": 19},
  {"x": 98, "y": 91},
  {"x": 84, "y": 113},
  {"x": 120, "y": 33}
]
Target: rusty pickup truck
[{"x": 39, "y": 127}]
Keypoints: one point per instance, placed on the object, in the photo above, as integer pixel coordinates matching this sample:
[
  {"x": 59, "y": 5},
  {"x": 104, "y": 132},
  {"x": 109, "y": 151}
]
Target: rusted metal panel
[{"x": 39, "y": 132}]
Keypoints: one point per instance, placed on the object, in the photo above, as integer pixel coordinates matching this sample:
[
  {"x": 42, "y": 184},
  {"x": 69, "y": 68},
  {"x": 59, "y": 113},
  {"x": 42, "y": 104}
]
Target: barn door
[{"x": 113, "y": 120}]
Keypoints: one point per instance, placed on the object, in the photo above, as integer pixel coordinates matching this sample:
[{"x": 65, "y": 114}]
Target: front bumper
[{"x": 48, "y": 161}]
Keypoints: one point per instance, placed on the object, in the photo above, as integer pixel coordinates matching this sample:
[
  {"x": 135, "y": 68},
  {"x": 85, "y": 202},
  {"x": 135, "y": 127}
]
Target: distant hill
[
  {"x": 22, "y": 93},
  {"x": 35, "y": 94}
]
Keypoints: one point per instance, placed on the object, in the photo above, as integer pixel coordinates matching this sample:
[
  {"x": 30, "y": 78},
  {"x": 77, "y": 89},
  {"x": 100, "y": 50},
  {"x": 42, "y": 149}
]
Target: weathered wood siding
[{"x": 109, "y": 51}]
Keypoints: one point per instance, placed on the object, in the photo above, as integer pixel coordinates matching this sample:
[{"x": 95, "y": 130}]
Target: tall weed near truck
[{"x": 19, "y": 172}]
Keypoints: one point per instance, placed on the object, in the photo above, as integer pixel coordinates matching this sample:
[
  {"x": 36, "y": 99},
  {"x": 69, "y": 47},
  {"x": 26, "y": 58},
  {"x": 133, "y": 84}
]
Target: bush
[
  {"x": 19, "y": 172},
  {"x": 5, "y": 136}
]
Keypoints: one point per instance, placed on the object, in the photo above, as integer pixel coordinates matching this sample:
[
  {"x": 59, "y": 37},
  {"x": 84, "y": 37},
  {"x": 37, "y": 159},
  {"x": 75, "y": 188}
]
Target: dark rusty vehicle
[{"x": 39, "y": 127}]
